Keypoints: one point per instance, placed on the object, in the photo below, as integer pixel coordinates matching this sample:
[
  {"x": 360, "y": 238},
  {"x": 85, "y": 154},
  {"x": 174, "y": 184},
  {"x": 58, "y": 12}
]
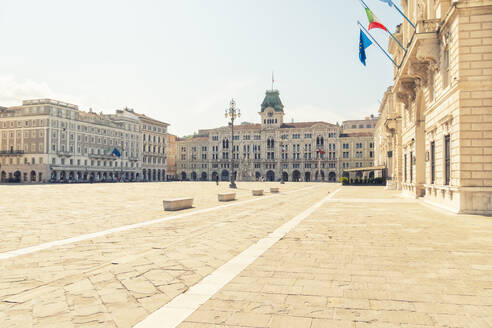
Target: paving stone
[
  {"x": 139, "y": 286},
  {"x": 49, "y": 309},
  {"x": 289, "y": 322},
  {"x": 249, "y": 319},
  {"x": 329, "y": 323}
]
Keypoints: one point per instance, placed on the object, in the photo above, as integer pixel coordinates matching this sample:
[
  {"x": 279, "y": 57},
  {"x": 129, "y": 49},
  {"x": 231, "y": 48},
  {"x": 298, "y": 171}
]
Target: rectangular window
[
  {"x": 411, "y": 167},
  {"x": 447, "y": 160},
  {"x": 405, "y": 166},
  {"x": 445, "y": 70},
  {"x": 433, "y": 162}
]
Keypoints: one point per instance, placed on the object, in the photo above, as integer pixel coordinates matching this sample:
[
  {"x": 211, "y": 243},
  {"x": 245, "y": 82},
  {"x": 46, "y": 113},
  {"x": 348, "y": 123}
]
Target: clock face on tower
[{"x": 270, "y": 114}]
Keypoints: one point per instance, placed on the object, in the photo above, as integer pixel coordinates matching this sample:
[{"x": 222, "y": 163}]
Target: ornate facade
[
  {"x": 274, "y": 149},
  {"x": 154, "y": 166},
  {"x": 49, "y": 141},
  {"x": 387, "y": 141},
  {"x": 436, "y": 118}
]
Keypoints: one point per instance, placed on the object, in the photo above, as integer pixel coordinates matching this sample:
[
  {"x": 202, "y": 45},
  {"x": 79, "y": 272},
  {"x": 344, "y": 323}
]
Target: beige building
[
  {"x": 274, "y": 149},
  {"x": 46, "y": 140},
  {"x": 387, "y": 141},
  {"x": 171, "y": 149},
  {"x": 154, "y": 134},
  {"x": 439, "y": 111}
]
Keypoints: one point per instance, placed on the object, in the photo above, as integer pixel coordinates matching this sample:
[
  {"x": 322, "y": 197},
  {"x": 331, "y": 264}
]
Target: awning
[{"x": 365, "y": 169}]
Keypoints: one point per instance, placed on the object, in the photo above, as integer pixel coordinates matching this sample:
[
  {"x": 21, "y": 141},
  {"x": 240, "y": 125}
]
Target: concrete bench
[
  {"x": 258, "y": 192},
  {"x": 274, "y": 190},
  {"x": 227, "y": 197},
  {"x": 177, "y": 204}
]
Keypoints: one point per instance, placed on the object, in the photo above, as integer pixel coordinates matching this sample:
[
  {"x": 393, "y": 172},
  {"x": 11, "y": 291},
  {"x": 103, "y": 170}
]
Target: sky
[{"x": 182, "y": 61}]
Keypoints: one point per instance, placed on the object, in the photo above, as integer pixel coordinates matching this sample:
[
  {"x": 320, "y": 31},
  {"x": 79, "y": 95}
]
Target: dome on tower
[{"x": 272, "y": 99}]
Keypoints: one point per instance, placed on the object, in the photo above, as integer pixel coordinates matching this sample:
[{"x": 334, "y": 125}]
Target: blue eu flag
[
  {"x": 364, "y": 43},
  {"x": 116, "y": 152}
]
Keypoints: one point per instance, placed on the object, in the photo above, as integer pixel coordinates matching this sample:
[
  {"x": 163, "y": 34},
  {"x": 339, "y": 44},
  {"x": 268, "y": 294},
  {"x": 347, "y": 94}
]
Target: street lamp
[
  {"x": 232, "y": 113},
  {"x": 280, "y": 165}
]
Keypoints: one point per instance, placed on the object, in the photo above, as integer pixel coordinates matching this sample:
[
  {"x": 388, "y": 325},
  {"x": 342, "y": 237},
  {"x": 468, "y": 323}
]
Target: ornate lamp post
[
  {"x": 232, "y": 113},
  {"x": 282, "y": 150}
]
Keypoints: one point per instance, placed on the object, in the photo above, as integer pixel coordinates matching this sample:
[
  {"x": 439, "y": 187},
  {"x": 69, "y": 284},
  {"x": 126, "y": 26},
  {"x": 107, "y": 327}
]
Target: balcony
[
  {"x": 11, "y": 152},
  {"x": 428, "y": 26},
  {"x": 64, "y": 154},
  {"x": 422, "y": 57},
  {"x": 103, "y": 156}
]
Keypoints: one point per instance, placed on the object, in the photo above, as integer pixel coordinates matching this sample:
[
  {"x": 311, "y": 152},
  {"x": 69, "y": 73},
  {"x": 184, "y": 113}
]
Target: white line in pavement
[
  {"x": 37, "y": 248},
  {"x": 372, "y": 200},
  {"x": 176, "y": 311}
]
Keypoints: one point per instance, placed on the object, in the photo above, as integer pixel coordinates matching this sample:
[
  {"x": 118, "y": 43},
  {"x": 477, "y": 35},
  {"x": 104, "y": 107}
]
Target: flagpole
[
  {"x": 401, "y": 13},
  {"x": 377, "y": 43},
  {"x": 391, "y": 34}
]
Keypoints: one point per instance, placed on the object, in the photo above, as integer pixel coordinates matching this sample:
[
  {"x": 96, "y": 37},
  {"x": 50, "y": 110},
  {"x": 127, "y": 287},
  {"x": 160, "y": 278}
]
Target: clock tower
[{"x": 272, "y": 110}]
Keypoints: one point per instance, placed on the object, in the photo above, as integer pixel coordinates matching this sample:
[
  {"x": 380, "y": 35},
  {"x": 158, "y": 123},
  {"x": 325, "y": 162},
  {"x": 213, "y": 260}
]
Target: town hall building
[{"x": 274, "y": 149}]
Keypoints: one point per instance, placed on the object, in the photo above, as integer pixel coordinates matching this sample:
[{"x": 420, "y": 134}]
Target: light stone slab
[
  {"x": 257, "y": 192},
  {"x": 177, "y": 204},
  {"x": 227, "y": 197}
]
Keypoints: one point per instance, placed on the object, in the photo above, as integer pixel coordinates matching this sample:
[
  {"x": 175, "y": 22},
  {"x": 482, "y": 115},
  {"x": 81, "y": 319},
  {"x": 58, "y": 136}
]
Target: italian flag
[{"x": 374, "y": 21}]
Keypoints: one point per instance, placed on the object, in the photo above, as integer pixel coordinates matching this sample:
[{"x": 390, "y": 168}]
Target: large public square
[{"x": 314, "y": 255}]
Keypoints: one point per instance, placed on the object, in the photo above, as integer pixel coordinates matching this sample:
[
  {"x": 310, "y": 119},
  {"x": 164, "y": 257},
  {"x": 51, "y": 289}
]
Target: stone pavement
[
  {"x": 365, "y": 264},
  {"x": 365, "y": 258},
  {"x": 35, "y": 214}
]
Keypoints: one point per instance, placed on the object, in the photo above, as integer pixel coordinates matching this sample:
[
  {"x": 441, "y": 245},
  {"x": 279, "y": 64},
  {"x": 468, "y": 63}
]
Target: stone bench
[
  {"x": 177, "y": 204},
  {"x": 257, "y": 192},
  {"x": 227, "y": 197},
  {"x": 274, "y": 190}
]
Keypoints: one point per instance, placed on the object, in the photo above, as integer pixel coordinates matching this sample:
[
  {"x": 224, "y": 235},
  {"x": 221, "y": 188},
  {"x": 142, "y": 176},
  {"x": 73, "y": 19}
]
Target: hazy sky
[{"x": 182, "y": 61}]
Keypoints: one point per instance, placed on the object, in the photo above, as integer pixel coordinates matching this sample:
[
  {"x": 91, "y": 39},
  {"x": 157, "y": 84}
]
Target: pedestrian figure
[{"x": 217, "y": 179}]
